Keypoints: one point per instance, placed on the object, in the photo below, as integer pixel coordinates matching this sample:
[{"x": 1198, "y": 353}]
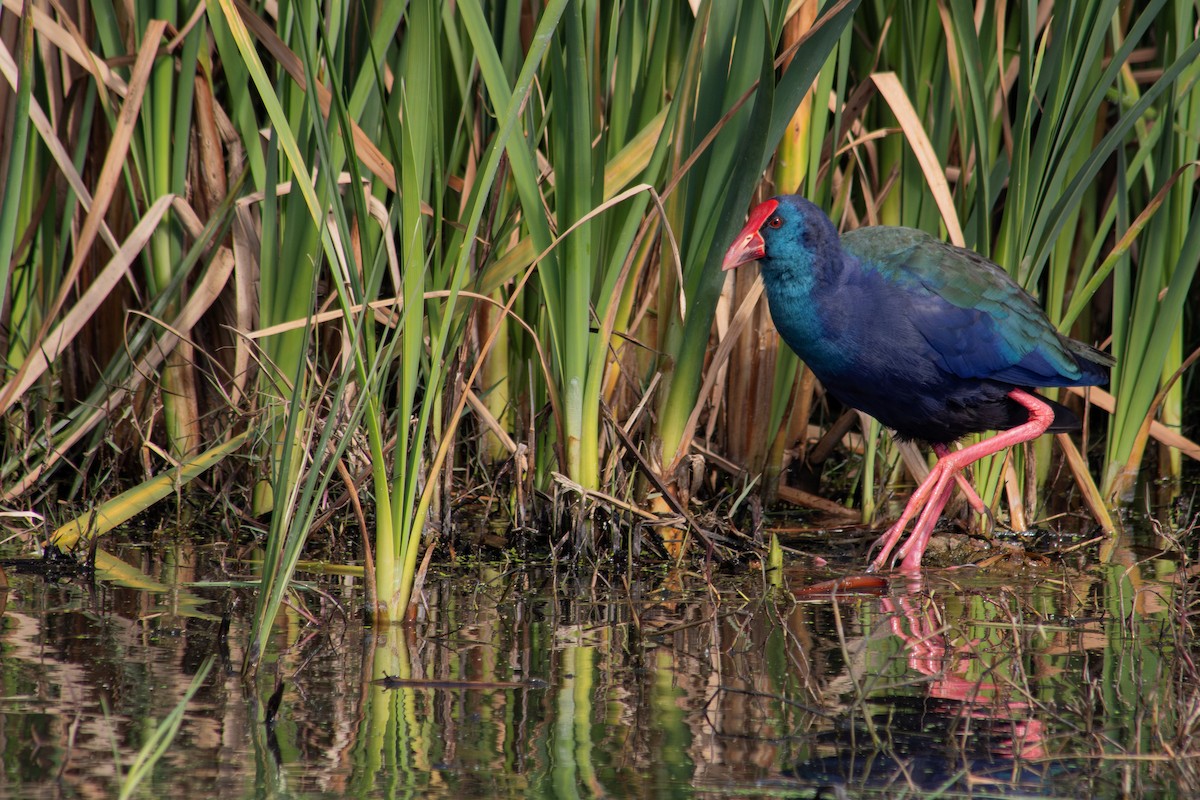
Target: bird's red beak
[{"x": 749, "y": 244}]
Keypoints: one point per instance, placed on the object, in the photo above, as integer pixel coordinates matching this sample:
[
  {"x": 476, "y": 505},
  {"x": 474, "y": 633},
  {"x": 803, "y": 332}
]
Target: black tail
[{"x": 1065, "y": 420}]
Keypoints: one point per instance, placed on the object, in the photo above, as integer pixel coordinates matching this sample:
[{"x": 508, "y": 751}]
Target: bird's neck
[{"x": 798, "y": 295}]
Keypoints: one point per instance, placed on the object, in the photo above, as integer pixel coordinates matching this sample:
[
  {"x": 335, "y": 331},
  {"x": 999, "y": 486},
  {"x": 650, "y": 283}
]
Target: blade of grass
[
  {"x": 132, "y": 502},
  {"x": 163, "y": 734}
]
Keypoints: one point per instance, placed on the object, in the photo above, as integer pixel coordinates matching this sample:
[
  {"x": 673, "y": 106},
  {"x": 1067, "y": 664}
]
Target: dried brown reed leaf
[
  {"x": 1092, "y": 496},
  {"x": 213, "y": 182},
  {"x": 106, "y": 186},
  {"x": 246, "y": 248},
  {"x": 131, "y": 502},
  {"x": 1017, "y": 518},
  {"x": 1161, "y": 433},
  {"x": 197, "y": 14},
  {"x": 893, "y": 92},
  {"x": 203, "y": 295},
  {"x": 745, "y": 310},
  {"x": 800, "y": 497},
  {"x": 55, "y": 342},
  {"x": 366, "y": 150},
  {"x": 72, "y": 44},
  {"x": 488, "y": 419},
  {"x": 199, "y": 300},
  {"x": 911, "y": 455},
  {"x": 721, "y": 318},
  {"x": 58, "y": 151}
]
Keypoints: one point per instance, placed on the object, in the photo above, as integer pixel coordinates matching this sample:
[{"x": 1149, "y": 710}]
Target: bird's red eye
[{"x": 775, "y": 222}]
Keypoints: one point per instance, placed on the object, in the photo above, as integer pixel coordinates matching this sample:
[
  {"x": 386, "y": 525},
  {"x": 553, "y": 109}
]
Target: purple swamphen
[{"x": 932, "y": 340}]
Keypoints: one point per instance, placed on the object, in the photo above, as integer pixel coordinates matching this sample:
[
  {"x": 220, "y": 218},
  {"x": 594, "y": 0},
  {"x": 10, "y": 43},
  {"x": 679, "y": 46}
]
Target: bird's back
[
  {"x": 934, "y": 337},
  {"x": 977, "y": 321}
]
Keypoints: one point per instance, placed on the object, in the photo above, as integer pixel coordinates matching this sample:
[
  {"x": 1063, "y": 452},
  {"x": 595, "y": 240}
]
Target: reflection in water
[
  {"x": 956, "y": 732},
  {"x": 519, "y": 685}
]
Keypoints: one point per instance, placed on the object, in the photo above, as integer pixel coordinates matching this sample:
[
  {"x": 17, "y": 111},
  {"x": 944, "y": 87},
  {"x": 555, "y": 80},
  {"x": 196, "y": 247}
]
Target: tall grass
[{"x": 376, "y": 241}]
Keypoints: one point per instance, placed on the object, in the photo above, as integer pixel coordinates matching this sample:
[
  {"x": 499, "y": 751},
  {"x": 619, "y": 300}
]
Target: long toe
[
  {"x": 885, "y": 544},
  {"x": 914, "y": 549}
]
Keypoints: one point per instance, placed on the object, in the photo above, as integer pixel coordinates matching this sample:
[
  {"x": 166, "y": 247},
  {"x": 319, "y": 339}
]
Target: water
[{"x": 1044, "y": 680}]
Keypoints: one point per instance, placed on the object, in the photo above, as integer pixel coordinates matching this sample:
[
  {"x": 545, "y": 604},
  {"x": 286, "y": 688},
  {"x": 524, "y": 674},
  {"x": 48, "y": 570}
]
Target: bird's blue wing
[{"x": 977, "y": 321}]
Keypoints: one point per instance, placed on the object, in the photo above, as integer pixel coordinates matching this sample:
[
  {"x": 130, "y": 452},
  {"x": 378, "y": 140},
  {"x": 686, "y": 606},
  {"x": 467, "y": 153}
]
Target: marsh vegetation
[{"x": 339, "y": 295}]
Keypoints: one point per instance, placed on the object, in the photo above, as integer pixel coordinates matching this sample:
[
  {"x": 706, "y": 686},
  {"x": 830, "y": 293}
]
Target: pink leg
[
  {"x": 930, "y": 497},
  {"x": 928, "y": 491},
  {"x": 911, "y": 551},
  {"x": 977, "y": 505}
]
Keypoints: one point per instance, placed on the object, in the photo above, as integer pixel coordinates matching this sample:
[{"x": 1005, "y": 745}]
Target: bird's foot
[{"x": 926, "y": 505}]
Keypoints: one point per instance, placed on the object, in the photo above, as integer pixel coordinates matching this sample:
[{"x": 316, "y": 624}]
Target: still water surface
[{"x": 1043, "y": 680}]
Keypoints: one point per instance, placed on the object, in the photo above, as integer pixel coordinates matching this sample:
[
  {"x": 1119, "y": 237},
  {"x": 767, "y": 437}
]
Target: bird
[{"x": 933, "y": 340}]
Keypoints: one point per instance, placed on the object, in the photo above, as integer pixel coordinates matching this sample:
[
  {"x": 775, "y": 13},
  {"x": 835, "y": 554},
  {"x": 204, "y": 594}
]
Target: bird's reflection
[{"x": 952, "y": 724}]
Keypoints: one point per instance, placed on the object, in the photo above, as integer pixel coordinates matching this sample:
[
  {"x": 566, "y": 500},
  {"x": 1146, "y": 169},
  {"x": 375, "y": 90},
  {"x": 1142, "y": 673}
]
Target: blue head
[{"x": 791, "y": 237}]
